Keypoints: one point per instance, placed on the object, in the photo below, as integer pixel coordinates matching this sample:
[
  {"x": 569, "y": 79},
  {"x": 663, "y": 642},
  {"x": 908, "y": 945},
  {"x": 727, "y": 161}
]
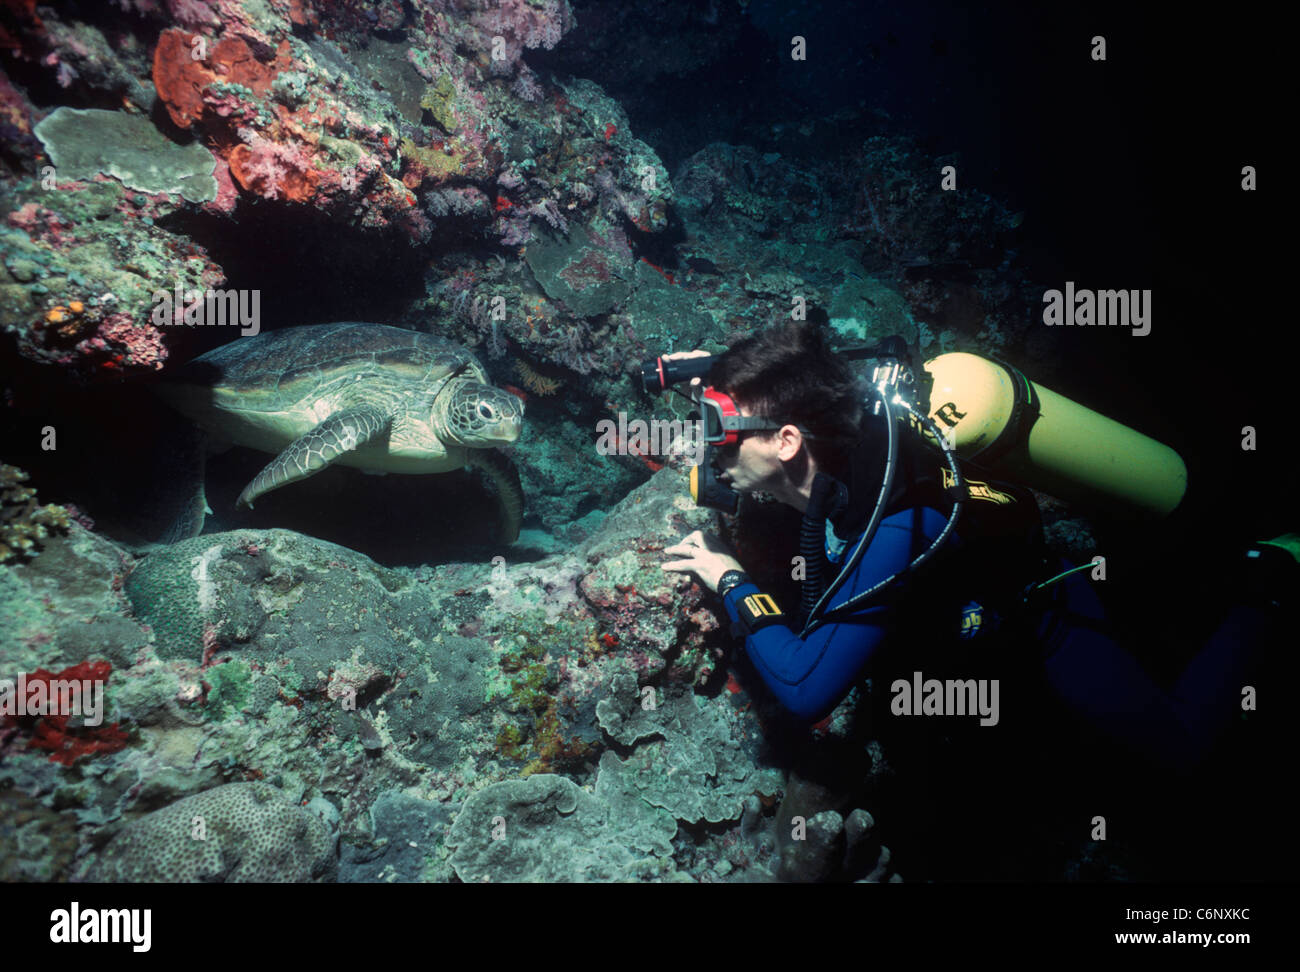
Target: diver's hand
[
  {"x": 684, "y": 354},
  {"x": 703, "y": 555},
  {"x": 674, "y": 356}
]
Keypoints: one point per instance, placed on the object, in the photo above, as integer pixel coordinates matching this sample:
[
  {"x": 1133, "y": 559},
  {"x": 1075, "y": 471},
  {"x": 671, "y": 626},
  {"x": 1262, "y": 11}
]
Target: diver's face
[
  {"x": 761, "y": 462},
  {"x": 752, "y": 464}
]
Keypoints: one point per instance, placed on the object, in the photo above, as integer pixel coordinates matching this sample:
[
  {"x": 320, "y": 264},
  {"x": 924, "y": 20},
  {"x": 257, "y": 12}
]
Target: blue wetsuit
[
  {"x": 811, "y": 676},
  {"x": 1098, "y": 680}
]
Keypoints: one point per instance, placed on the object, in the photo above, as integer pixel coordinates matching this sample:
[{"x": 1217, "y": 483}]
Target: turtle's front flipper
[
  {"x": 504, "y": 478},
  {"x": 308, "y": 455}
]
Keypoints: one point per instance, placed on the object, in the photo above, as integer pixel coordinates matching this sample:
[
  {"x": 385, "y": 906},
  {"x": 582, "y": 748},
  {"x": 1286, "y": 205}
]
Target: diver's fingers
[
  {"x": 680, "y": 566},
  {"x": 709, "y": 546},
  {"x": 678, "y": 355},
  {"x": 687, "y": 545},
  {"x": 684, "y": 556}
]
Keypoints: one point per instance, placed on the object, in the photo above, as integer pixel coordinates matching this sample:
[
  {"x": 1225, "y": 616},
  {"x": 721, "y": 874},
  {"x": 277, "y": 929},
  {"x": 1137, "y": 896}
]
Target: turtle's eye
[{"x": 485, "y": 410}]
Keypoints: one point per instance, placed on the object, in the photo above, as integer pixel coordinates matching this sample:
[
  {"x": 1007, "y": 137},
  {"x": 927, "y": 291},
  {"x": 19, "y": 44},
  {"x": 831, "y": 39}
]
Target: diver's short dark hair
[{"x": 788, "y": 373}]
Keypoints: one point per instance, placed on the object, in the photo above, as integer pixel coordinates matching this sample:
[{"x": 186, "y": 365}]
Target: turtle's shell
[{"x": 277, "y": 370}]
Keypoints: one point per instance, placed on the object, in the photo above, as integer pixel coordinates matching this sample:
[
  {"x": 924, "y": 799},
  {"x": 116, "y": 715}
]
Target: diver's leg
[{"x": 1105, "y": 685}]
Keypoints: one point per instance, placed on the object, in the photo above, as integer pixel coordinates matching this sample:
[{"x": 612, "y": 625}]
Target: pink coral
[
  {"x": 526, "y": 87},
  {"x": 227, "y": 194},
  {"x": 192, "y": 13},
  {"x": 548, "y": 210},
  {"x": 524, "y": 24},
  {"x": 274, "y": 170},
  {"x": 143, "y": 344},
  {"x": 27, "y": 217},
  {"x": 515, "y": 228}
]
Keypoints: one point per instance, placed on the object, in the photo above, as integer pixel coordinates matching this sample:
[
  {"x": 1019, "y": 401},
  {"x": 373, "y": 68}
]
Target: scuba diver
[{"x": 919, "y": 563}]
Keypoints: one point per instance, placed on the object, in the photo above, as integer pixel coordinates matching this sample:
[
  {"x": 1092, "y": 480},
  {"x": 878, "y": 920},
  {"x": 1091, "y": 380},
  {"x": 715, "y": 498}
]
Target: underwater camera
[
  {"x": 662, "y": 373},
  {"x": 720, "y": 422}
]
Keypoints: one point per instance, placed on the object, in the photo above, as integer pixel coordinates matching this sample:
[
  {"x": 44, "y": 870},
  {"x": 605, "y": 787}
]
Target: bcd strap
[{"x": 756, "y": 611}]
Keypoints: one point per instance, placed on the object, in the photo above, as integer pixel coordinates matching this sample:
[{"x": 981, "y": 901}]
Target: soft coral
[
  {"x": 524, "y": 23},
  {"x": 272, "y": 169}
]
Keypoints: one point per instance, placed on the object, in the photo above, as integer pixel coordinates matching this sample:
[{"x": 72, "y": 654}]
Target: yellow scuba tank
[{"x": 1023, "y": 431}]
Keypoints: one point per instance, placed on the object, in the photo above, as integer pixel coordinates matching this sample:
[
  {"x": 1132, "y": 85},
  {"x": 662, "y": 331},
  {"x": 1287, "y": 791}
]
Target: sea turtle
[{"x": 380, "y": 398}]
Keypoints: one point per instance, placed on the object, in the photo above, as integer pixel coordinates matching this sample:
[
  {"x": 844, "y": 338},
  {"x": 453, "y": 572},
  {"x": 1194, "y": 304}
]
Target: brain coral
[{"x": 240, "y": 832}]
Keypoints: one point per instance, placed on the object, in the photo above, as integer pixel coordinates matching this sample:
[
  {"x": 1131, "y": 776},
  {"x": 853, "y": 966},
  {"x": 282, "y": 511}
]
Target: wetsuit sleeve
[{"x": 810, "y": 676}]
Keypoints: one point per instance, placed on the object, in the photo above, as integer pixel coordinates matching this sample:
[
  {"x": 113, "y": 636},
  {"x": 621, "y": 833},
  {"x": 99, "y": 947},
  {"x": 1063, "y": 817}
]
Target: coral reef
[
  {"x": 269, "y": 657},
  {"x": 832, "y": 847},
  {"x": 573, "y": 269},
  {"x": 698, "y": 772},
  {"x": 426, "y": 122},
  {"x": 24, "y": 523},
  {"x": 547, "y": 828},
  {"x": 84, "y": 144},
  {"x": 66, "y": 605},
  {"x": 308, "y": 105},
  {"x": 240, "y": 832},
  {"x": 396, "y": 846},
  {"x": 82, "y": 263},
  {"x": 535, "y": 382}
]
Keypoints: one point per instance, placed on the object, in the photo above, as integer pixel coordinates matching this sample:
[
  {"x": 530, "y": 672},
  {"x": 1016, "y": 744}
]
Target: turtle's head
[{"x": 481, "y": 416}]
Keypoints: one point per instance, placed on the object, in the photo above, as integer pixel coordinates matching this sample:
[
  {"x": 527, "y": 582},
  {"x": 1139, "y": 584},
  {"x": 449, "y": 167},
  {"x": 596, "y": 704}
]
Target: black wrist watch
[{"x": 732, "y": 578}]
